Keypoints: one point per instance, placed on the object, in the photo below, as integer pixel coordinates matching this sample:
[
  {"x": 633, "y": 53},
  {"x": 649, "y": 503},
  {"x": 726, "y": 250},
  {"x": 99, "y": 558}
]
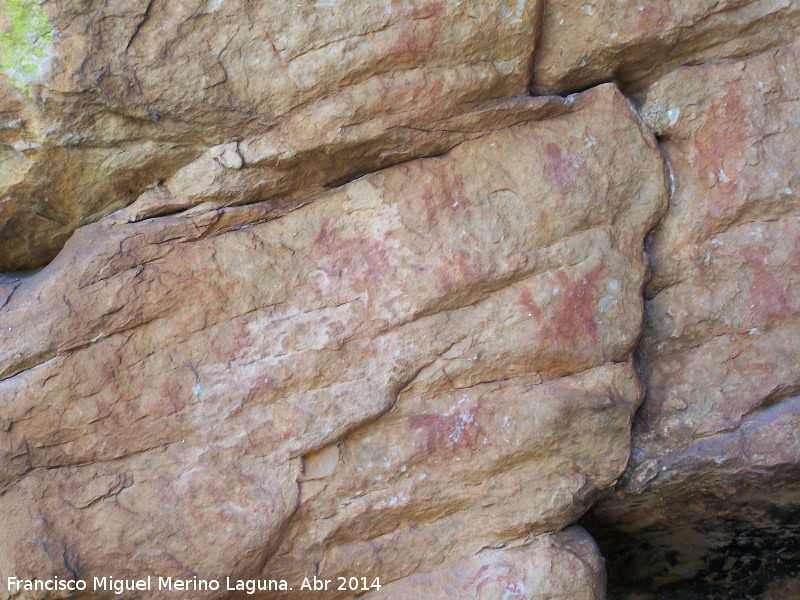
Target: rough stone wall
[
  {"x": 716, "y": 441},
  {"x": 355, "y": 289}
]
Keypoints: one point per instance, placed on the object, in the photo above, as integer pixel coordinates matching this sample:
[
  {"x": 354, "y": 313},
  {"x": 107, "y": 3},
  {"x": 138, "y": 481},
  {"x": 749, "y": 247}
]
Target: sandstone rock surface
[
  {"x": 635, "y": 41},
  {"x": 319, "y": 289},
  {"x": 425, "y": 363},
  {"x": 562, "y": 566},
  {"x": 104, "y": 100},
  {"x": 711, "y": 493}
]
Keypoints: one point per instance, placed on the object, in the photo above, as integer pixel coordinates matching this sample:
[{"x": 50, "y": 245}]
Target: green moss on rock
[{"x": 23, "y": 45}]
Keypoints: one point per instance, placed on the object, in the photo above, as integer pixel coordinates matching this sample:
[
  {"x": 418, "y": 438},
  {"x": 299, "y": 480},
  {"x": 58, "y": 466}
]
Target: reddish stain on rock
[
  {"x": 453, "y": 193},
  {"x": 766, "y": 296},
  {"x": 430, "y": 207},
  {"x": 444, "y": 193},
  {"x": 449, "y": 431},
  {"x": 357, "y": 260},
  {"x": 720, "y": 143},
  {"x": 652, "y": 16},
  {"x": 529, "y": 305},
  {"x": 233, "y": 339},
  {"x": 562, "y": 169},
  {"x": 326, "y": 233},
  {"x": 460, "y": 269},
  {"x": 574, "y": 316},
  {"x": 416, "y": 40},
  {"x": 173, "y": 398},
  {"x": 422, "y": 94},
  {"x": 497, "y": 574}
]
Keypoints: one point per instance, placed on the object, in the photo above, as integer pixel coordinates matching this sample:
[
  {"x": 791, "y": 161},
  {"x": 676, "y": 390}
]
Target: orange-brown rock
[
  {"x": 268, "y": 96},
  {"x": 387, "y": 380},
  {"x": 562, "y": 566},
  {"x": 635, "y": 41},
  {"x": 713, "y": 479}
]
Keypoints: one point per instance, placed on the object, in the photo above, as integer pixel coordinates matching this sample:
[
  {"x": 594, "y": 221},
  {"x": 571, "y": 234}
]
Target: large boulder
[
  {"x": 386, "y": 381},
  {"x": 562, "y": 566},
  {"x": 710, "y": 499},
  {"x": 102, "y": 100}
]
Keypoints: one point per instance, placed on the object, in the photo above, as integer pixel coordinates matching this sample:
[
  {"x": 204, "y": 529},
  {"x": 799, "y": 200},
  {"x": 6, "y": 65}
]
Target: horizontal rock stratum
[
  {"x": 635, "y": 41},
  {"x": 286, "y": 96}
]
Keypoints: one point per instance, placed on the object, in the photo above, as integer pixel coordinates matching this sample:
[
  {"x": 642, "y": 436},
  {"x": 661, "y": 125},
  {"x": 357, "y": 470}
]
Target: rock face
[
  {"x": 716, "y": 446},
  {"x": 103, "y": 100},
  {"x": 635, "y": 41},
  {"x": 562, "y": 566},
  {"x": 411, "y": 368},
  {"x": 335, "y": 290}
]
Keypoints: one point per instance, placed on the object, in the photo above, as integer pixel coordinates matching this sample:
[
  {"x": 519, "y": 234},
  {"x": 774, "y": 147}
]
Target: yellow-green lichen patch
[{"x": 23, "y": 44}]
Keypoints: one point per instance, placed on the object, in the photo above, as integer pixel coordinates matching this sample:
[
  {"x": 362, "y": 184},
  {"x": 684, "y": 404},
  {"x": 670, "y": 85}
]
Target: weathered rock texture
[
  {"x": 426, "y": 362},
  {"x": 323, "y": 291},
  {"x": 559, "y": 566},
  {"x": 635, "y": 41},
  {"x": 268, "y": 96},
  {"x": 712, "y": 492}
]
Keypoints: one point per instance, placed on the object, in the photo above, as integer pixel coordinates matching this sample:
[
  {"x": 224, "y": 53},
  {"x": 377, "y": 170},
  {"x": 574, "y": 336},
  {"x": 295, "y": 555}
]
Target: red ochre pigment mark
[
  {"x": 416, "y": 40},
  {"x": 110, "y": 367},
  {"x": 171, "y": 400},
  {"x": 573, "y": 317},
  {"x": 205, "y": 294},
  {"x": 720, "y": 144},
  {"x": 650, "y": 16},
  {"x": 423, "y": 93},
  {"x": 562, "y": 169},
  {"x": 449, "y": 431},
  {"x": 353, "y": 259},
  {"x": 766, "y": 296},
  {"x": 326, "y": 233},
  {"x": 529, "y": 305},
  {"x": 453, "y": 191},
  {"x": 444, "y": 193},
  {"x": 231, "y": 342},
  {"x": 460, "y": 269},
  {"x": 497, "y": 574},
  {"x": 429, "y": 205}
]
